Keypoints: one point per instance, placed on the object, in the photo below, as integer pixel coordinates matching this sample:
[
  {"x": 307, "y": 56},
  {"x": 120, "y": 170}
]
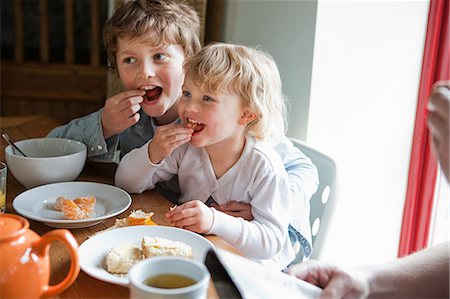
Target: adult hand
[
  {"x": 335, "y": 282},
  {"x": 166, "y": 139},
  {"x": 120, "y": 112},
  {"x": 193, "y": 215},
  {"x": 236, "y": 209},
  {"x": 439, "y": 123}
]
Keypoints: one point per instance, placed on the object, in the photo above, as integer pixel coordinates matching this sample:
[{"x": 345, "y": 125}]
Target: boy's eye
[
  {"x": 159, "y": 56},
  {"x": 186, "y": 94},
  {"x": 129, "y": 60}
]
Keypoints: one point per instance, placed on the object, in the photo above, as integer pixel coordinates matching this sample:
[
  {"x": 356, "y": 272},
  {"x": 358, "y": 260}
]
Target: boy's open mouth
[
  {"x": 195, "y": 125},
  {"x": 152, "y": 93}
]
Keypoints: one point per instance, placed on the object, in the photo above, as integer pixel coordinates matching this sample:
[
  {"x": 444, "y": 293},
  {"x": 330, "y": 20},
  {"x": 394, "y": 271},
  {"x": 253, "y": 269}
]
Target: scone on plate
[
  {"x": 160, "y": 246},
  {"x": 122, "y": 257}
]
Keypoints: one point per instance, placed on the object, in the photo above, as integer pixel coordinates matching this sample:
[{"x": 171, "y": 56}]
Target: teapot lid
[{"x": 12, "y": 226}]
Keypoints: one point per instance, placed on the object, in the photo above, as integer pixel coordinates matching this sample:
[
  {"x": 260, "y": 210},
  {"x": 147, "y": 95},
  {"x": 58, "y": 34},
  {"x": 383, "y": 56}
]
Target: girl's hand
[
  {"x": 120, "y": 112},
  {"x": 236, "y": 209},
  {"x": 166, "y": 139},
  {"x": 193, "y": 215}
]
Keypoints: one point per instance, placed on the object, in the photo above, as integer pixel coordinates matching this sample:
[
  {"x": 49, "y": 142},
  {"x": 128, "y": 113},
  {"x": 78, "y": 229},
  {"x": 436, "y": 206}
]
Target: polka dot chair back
[{"x": 322, "y": 201}]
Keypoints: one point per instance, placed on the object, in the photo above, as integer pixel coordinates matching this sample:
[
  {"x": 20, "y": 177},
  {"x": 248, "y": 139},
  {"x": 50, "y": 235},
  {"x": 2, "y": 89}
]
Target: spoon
[{"x": 10, "y": 142}]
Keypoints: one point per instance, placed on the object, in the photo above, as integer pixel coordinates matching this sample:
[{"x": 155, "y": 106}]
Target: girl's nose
[{"x": 192, "y": 106}]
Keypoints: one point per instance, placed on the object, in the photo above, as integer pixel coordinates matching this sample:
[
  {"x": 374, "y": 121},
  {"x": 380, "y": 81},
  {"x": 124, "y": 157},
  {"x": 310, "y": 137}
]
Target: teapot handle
[{"x": 68, "y": 239}]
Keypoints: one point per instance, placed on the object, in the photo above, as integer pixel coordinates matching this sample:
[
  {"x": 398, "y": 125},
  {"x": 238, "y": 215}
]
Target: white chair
[{"x": 322, "y": 201}]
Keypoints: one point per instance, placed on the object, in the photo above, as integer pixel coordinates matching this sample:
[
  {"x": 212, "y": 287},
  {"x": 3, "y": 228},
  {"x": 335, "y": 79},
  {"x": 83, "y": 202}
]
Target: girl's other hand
[
  {"x": 166, "y": 139},
  {"x": 236, "y": 209},
  {"x": 193, "y": 215},
  {"x": 120, "y": 112}
]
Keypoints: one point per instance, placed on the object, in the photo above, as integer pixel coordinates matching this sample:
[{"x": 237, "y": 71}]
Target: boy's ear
[{"x": 246, "y": 117}]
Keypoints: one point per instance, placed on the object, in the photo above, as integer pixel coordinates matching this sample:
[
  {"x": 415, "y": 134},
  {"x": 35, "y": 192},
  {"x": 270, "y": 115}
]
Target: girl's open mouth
[{"x": 195, "y": 125}]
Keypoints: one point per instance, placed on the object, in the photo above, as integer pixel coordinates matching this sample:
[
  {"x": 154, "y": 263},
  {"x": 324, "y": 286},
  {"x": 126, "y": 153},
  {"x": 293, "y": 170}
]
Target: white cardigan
[{"x": 257, "y": 178}]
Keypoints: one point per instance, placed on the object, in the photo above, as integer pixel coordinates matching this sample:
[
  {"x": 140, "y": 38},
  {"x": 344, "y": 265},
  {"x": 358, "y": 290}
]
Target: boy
[{"x": 147, "y": 42}]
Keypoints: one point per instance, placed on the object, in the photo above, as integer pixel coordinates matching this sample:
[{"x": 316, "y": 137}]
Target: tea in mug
[{"x": 169, "y": 281}]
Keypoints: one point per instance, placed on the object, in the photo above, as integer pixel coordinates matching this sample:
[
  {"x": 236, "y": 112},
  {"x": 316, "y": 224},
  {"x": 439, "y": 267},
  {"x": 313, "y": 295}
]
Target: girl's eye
[
  {"x": 186, "y": 94},
  {"x": 129, "y": 60},
  {"x": 207, "y": 99},
  {"x": 160, "y": 56}
]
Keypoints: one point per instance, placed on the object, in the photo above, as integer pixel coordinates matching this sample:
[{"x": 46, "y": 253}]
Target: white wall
[
  {"x": 286, "y": 30},
  {"x": 366, "y": 71},
  {"x": 365, "y": 75}
]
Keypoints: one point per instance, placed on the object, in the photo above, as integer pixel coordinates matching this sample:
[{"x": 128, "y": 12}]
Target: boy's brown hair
[{"x": 157, "y": 22}]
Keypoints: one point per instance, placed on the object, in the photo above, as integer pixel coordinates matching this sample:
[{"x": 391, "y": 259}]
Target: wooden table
[{"x": 85, "y": 286}]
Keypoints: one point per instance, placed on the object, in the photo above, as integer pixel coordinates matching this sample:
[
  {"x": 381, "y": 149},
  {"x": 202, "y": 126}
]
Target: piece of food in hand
[
  {"x": 191, "y": 125},
  {"x": 86, "y": 203},
  {"x": 59, "y": 203},
  {"x": 122, "y": 257},
  {"x": 140, "y": 217},
  {"x": 72, "y": 211},
  {"x": 173, "y": 208},
  {"x": 160, "y": 247}
]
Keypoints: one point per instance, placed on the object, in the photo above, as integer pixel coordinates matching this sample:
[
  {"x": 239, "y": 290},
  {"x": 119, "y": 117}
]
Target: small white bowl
[{"x": 49, "y": 160}]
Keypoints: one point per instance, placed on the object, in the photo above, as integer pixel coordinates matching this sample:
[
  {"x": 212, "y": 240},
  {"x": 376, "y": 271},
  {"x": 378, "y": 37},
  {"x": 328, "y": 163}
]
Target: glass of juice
[{"x": 3, "y": 173}]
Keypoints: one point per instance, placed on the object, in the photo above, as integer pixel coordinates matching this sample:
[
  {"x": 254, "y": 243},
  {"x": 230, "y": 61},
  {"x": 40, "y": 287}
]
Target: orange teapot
[{"x": 25, "y": 262}]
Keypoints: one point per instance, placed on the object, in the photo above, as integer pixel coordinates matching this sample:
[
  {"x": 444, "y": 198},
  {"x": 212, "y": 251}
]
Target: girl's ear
[{"x": 246, "y": 117}]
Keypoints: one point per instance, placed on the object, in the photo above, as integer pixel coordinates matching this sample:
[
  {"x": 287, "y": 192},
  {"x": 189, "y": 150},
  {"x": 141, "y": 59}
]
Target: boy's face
[
  {"x": 159, "y": 70},
  {"x": 215, "y": 118}
]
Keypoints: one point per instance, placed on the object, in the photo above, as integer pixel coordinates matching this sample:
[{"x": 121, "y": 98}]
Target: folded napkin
[{"x": 235, "y": 276}]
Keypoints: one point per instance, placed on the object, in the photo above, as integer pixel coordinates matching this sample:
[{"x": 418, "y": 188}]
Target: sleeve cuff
[{"x": 227, "y": 227}]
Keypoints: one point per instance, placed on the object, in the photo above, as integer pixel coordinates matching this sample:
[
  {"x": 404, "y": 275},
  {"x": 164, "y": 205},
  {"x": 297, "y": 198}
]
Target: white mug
[{"x": 168, "y": 265}]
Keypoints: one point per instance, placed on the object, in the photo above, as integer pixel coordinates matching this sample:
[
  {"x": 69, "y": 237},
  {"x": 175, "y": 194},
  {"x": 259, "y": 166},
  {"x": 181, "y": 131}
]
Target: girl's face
[
  {"x": 215, "y": 118},
  {"x": 158, "y": 70}
]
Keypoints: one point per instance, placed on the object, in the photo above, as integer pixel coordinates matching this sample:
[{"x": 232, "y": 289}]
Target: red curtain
[{"x": 423, "y": 163}]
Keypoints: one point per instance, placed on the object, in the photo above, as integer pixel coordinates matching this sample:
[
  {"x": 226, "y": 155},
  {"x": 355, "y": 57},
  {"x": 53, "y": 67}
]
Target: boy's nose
[{"x": 147, "y": 70}]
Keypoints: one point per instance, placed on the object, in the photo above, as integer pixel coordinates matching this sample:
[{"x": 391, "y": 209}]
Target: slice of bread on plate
[
  {"x": 122, "y": 257},
  {"x": 160, "y": 246}
]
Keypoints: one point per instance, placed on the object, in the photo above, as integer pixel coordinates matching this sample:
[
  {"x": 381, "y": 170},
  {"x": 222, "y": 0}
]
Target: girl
[{"x": 228, "y": 93}]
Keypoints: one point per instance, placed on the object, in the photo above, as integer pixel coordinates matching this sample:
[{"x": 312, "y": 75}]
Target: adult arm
[
  {"x": 424, "y": 274},
  {"x": 439, "y": 123}
]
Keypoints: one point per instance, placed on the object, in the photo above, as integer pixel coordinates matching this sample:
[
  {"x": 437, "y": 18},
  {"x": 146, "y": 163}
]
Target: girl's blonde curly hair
[{"x": 248, "y": 72}]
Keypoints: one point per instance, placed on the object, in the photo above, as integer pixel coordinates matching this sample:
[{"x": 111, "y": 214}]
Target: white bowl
[{"x": 49, "y": 160}]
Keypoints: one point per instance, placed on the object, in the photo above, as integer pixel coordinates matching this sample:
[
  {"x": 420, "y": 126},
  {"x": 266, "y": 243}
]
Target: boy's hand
[
  {"x": 166, "y": 139},
  {"x": 236, "y": 209},
  {"x": 120, "y": 112},
  {"x": 193, "y": 215}
]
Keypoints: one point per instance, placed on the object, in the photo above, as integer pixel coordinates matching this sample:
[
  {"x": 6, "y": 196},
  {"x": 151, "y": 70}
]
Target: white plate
[
  {"x": 37, "y": 203},
  {"x": 93, "y": 251}
]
